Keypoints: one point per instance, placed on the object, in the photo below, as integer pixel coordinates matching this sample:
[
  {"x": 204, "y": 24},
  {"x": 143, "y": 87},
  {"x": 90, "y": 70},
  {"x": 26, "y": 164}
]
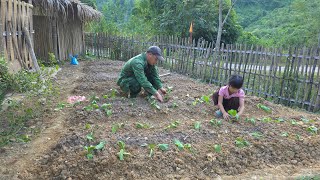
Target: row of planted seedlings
[{"x": 239, "y": 142}]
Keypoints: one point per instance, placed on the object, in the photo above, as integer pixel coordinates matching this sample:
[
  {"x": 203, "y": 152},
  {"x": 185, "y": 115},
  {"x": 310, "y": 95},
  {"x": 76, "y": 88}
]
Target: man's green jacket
[{"x": 142, "y": 71}]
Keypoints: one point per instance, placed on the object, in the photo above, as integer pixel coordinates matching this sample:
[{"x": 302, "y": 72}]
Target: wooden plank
[
  {"x": 220, "y": 69},
  {"x": 311, "y": 94},
  {"x": 305, "y": 83},
  {"x": 9, "y": 34},
  {"x": 277, "y": 60},
  {"x": 226, "y": 63},
  {"x": 270, "y": 72},
  {"x": 256, "y": 65},
  {"x": 260, "y": 72},
  {"x": 3, "y": 45},
  {"x": 250, "y": 60}
]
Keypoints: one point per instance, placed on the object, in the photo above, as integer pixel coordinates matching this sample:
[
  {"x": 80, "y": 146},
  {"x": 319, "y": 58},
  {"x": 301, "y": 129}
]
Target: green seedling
[
  {"x": 122, "y": 153},
  {"x": 90, "y": 149},
  {"x": 114, "y": 93},
  {"x": 265, "y": 108},
  {"x": 285, "y": 134},
  {"x": 173, "y": 125},
  {"x": 205, "y": 99},
  {"x": 188, "y": 147},
  {"x": 24, "y": 138},
  {"x": 279, "y": 120},
  {"x": 109, "y": 113},
  {"x": 215, "y": 122},
  {"x": 256, "y": 135},
  {"x": 179, "y": 144},
  {"x": 167, "y": 96},
  {"x": 163, "y": 147},
  {"x": 174, "y": 105},
  {"x": 293, "y": 122},
  {"x": 182, "y": 146},
  {"x": 87, "y": 126},
  {"x": 60, "y": 106},
  {"x": 90, "y": 136},
  {"x": 116, "y": 127},
  {"x": 88, "y": 108},
  {"x": 266, "y": 119},
  {"x": 154, "y": 104},
  {"x": 305, "y": 120},
  {"x": 240, "y": 142},
  {"x": 195, "y": 102},
  {"x": 152, "y": 148},
  {"x": 142, "y": 126},
  {"x": 105, "y": 96},
  {"x": 251, "y": 120},
  {"x": 298, "y": 137},
  {"x": 197, "y": 125},
  {"x": 234, "y": 114},
  {"x": 94, "y": 98},
  {"x": 312, "y": 130},
  {"x": 106, "y": 106},
  {"x": 217, "y": 148}
]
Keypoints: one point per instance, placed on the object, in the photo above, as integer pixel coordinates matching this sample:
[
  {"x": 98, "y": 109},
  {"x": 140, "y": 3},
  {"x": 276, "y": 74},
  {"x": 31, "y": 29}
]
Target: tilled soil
[{"x": 282, "y": 143}]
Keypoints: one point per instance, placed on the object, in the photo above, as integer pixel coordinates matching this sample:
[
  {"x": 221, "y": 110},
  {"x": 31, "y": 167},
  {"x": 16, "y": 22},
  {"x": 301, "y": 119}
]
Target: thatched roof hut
[{"x": 59, "y": 27}]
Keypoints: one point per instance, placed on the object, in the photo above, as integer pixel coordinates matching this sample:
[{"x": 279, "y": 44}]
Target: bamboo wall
[
  {"x": 14, "y": 15},
  {"x": 287, "y": 76},
  {"x": 57, "y": 36}
]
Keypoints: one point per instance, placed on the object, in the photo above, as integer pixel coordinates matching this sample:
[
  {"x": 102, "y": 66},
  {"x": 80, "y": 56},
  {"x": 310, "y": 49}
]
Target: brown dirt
[{"x": 272, "y": 156}]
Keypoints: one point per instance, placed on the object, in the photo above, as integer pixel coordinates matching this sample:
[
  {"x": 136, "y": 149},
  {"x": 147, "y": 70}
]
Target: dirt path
[
  {"x": 271, "y": 156},
  {"x": 17, "y": 159}
]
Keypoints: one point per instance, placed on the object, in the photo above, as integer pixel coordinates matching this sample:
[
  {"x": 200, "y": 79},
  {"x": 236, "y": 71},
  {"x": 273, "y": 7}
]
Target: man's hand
[
  {"x": 158, "y": 96},
  {"x": 163, "y": 90}
]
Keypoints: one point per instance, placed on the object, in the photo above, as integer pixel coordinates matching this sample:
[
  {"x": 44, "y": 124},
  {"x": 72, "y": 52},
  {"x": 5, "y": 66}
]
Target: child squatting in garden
[{"x": 230, "y": 97}]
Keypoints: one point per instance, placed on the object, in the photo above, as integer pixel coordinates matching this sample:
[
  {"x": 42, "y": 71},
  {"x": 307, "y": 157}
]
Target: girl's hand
[{"x": 226, "y": 116}]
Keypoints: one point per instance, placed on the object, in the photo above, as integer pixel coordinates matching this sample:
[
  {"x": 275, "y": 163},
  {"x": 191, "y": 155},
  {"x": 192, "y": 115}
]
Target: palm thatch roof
[{"x": 65, "y": 8}]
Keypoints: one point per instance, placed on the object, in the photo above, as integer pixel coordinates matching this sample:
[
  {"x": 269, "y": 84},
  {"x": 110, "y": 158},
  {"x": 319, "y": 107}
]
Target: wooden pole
[{"x": 30, "y": 48}]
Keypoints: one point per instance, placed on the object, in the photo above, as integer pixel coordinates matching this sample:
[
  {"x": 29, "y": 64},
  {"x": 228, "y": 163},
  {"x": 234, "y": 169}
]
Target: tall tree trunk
[
  {"x": 220, "y": 26},
  {"x": 221, "y": 23}
]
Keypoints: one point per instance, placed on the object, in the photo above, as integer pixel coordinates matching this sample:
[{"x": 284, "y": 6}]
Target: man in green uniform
[{"x": 141, "y": 72}]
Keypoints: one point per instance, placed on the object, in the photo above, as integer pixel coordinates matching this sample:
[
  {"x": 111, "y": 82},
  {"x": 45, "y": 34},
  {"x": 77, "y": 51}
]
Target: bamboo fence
[
  {"x": 287, "y": 76},
  {"x": 14, "y": 16}
]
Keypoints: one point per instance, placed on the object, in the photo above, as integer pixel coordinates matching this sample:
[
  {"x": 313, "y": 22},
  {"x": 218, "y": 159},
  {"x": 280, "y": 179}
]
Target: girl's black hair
[{"x": 236, "y": 81}]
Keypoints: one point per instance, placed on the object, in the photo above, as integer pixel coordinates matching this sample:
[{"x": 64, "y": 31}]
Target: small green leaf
[
  {"x": 256, "y": 135},
  {"x": 285, "y": 134},
  {"x": 121, "y": 144},
  {"x": 105, "y": 96},
  {"x": 240, "y": 142},
  {"x": 188, "y": 147},
  {"x": 121, "y": 154},
  {"x": 88, "y": 126},
  {"x": 251, "y": 120},
  {"x": 293, "y": 122},
  {"x": 305, "y": 120},
  {"x": 90, "y": 156},
  {"x": 279, "y": 120},
  {"x": 100, "y": 145},
  {"x": 217, "y": 148},
  {"x": 114, "y": 128},
  {"x": 312, "y": 129},
  {"x": 106, "y": 106},
  {"x": 265, "y": 108},
  {"x": 179, "y": 144},
  {"x": 232, "y": 112},
  {"x": 88, "y": 108},
  {"x": 298, "y": 136},
  {"x": 197, "y": 125},
  {"x": 215, "y": 122},
  {"x": 90, "y": 136},
  {"x": 109, "y": 113},
  {"x": 163, "y": 147},
  {"x": 95, "y": 106},
  {"x": 205, "y": 99}
]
